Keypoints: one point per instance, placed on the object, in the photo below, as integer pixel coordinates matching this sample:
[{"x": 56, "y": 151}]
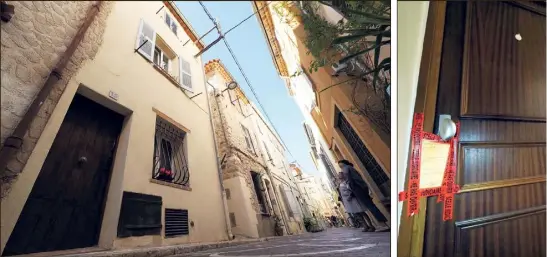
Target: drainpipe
[
  {"x": 219, "y": 169},
  {"x": 276, "y": 195},
  {"x": 14, "y": 142}
]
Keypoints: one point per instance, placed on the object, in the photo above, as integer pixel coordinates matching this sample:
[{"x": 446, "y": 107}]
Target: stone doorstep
[{"x": 168, "y": 250}]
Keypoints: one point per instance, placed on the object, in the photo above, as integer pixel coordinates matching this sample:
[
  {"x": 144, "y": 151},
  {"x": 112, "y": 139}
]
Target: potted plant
[
  {"x": 278, "y": 226},
  {"x": 165, "y": 175}
]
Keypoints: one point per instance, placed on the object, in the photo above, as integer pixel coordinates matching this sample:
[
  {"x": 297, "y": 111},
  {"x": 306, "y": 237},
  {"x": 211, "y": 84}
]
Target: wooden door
[
  {"x": 492, "y": 79},
  {"x": 64, "y": 208}
]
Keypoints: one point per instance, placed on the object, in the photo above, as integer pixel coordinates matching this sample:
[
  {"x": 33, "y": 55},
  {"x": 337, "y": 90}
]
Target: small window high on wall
[{"x": 171, "y": 22}]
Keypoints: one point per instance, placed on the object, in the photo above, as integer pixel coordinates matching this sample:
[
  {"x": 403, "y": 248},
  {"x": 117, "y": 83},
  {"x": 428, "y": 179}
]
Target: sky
[{"x": 251, "y": 50}]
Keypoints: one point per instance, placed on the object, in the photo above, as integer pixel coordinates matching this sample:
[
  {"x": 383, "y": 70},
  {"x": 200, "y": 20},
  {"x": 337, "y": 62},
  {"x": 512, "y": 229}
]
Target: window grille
[
  {"x": 371, "y": 165},
  {"x": 170, "y": 161}
]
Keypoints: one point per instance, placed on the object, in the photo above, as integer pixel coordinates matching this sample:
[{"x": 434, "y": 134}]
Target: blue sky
[{"x": 249, "y": 45}]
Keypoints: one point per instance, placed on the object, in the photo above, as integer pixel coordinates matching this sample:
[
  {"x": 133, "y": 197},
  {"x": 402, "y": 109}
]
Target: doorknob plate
[{"x": 447, "y": 127}]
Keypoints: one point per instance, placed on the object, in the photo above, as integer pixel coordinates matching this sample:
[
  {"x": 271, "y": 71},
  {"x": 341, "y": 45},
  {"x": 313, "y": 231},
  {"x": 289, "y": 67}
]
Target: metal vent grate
[{"x": 176, "y": 222}]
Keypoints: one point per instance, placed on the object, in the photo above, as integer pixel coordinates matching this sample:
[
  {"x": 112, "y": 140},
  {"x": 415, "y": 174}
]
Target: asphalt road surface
[{"x": 339, "y": 242}]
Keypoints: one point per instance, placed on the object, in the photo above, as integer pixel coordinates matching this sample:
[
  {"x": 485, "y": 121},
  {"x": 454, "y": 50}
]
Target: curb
[{"x": 165, "y": 251}]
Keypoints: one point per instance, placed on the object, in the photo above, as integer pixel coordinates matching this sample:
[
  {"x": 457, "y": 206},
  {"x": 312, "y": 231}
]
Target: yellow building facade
[{"x": 349, "y": 136}]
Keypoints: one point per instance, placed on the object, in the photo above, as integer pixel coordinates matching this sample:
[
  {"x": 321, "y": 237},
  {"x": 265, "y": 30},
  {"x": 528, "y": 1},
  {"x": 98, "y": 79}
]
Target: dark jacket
[{"x": 361, "y": 191}]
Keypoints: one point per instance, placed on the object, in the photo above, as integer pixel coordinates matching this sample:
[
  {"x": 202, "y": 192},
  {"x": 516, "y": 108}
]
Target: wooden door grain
[
  {"x": 64, "y": 208},
  {"x": 492, "y": 80}
]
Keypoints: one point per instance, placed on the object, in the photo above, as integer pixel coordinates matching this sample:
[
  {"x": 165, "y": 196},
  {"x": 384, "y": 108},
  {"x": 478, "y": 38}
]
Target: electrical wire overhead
[{"x": 221, "y": 35}]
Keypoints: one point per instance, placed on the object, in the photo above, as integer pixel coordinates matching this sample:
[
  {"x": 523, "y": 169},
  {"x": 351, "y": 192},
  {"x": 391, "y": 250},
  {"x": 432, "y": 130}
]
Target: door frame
[{"x": 411, "y": 230}]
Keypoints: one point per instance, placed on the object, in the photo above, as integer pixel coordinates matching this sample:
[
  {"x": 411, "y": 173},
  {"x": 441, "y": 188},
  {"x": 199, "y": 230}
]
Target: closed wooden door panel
[
  {"x": 64, "y": 208},
  {"x": 492, "y": 80}
]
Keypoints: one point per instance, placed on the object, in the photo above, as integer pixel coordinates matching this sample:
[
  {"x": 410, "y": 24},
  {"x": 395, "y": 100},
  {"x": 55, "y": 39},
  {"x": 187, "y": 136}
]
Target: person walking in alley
[
  {"x": 353, "y": 205},
  {"x": 355, "y": 195}
]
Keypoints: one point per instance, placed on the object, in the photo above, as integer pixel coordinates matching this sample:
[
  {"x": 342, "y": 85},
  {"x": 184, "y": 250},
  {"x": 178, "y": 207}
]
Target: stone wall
[
  {"x": 31, "y": 45},
  {"x": 238, "y": 161}
]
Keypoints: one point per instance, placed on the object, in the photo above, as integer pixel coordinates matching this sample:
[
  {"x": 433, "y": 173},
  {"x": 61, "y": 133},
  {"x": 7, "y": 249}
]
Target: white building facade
[{"x": 259, "y": 189}]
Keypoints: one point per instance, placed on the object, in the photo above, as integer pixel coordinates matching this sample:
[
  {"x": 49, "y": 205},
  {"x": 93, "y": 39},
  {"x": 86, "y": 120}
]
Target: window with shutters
[
  {"x": 259, "y": 129},
  {"x": 140, "y": 215},
  {"x": 268, "y": 153},
  {"x": 248, "y": 139},
  {"x": 161, "y": 59},
  {"x": 309, "y": 134},
  {"x": 153, "y": 48},
  {"x": 171, "y": 23},
  {"x": 288, "y": 207},
  {"x": 185, "y": 74}
]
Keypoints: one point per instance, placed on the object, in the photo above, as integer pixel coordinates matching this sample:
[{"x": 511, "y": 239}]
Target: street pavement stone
[{"x": 335, "y": 242}]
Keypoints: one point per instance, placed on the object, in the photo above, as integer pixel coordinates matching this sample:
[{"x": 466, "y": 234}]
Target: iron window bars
[
  {"x": 371, "y": 165},
  {"x": 170, "y": 162}
]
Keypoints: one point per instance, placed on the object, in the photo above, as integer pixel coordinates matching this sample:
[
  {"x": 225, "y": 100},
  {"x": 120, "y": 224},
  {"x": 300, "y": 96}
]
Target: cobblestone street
[{"x": 333, "y": 242}]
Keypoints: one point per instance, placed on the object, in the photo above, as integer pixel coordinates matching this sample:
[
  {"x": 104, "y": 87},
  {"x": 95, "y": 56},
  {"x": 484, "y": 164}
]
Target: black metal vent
[
  {"x": 364, "y": 155},
  {"x": 176, "y": 222}
]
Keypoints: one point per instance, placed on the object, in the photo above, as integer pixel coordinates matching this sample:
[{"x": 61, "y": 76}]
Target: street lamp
[{"x": 230, "y": 86}]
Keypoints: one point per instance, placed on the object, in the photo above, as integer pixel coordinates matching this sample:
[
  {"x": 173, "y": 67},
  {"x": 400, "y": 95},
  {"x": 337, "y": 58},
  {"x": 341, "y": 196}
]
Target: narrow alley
[{"x": 345, "y": 242}]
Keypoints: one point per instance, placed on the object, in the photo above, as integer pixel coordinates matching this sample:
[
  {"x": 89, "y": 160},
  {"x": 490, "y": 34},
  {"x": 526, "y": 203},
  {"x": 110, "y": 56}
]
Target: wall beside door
[
  {"x": 411, "y": 30},
  {"x": 131, "y": 81},
  {"x": 31, "y": 47}
]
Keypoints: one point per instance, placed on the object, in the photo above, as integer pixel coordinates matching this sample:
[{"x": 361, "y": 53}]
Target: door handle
[
  {"x": 82, "y": 161},
  {"x": 446, "y": 127}
]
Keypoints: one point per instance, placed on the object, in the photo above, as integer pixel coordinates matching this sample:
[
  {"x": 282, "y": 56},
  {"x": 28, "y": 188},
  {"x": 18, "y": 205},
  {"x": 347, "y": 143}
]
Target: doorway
[
  {"x": 65, "y": 207},
  {"x": 492, "y": 80}
]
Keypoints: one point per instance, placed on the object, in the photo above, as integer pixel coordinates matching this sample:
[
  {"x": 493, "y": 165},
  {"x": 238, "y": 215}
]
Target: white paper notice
[{"x": 433, "y": 163}]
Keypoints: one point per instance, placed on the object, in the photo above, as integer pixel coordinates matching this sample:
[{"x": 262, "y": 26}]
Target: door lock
[{"x": 446, "y": 128}]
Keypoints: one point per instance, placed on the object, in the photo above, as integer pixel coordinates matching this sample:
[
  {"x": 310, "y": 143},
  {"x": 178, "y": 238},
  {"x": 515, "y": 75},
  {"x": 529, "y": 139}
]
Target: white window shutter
[
  {"x": 146, "y": 34},
  {"x": 185, "y": 74},
  {"x": 167, "y": 18}
]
